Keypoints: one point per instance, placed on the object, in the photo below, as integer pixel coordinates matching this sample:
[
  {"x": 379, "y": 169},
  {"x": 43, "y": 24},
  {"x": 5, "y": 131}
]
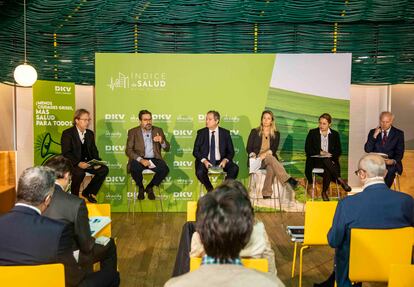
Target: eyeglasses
[
  {"x": 88, "y": 120},
  {"x": 358, "y": 170}
]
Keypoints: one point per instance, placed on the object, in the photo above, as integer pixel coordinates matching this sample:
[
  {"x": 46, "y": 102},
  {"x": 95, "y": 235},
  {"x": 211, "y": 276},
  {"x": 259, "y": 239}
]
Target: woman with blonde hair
[{"x": 263, "y": 143}]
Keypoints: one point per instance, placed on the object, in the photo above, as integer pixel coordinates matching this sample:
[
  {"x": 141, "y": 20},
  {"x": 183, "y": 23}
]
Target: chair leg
[
  {"x": 295, "y": 248},
  {"x": 160, "y": 193},
  {"x": 337, "y": 190},
  {"x": 301, "y": 263},
  {"x": 313, "y": 186}
]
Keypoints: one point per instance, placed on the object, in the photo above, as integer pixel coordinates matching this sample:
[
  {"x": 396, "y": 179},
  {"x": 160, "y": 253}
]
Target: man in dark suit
[
  {"x": 78, "y": 145},
  {"x": 213, "y": 147},
  {"x": 69, "y": 208},
  {"x": 376, "y": 207},
  {"x": 143, "y": 149},
  {"x": 388, "y": 140}
]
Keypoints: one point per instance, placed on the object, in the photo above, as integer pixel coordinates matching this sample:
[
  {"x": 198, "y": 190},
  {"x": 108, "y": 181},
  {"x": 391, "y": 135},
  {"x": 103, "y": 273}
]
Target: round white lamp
[{"x": 25, "y": 75}]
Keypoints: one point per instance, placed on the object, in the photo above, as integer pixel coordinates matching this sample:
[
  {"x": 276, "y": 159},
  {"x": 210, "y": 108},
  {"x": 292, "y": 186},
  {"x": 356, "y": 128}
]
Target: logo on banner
[
  {"x": 230, "y": 119},
  {"x": 115, "y": 135},
  {"x": 113, "y": 197},
  {"x": 185, "y": 150},
  {"x": 63, "y": 90},
  {"x": 236, "y": 150},
  {"x": 165, "y": 118},
  {"x": 183, "y": 164},
  {"x": 234, "y": 132},
  {"x": 114, "y": 148},
  {"x": 167, "y": 180},
  {"x": 201, "y": 117},
  {"x": 117, "y": 180},
  {"x": 184, "y": 118},
  {"x": 183, "y": 195},
  {"x": 115, "y": 118},
  {"x": 115, "y": 165},
  {"x": 183, "y": 133},
  {"x": 147, "y": 80},
  {"x": 184, "y": 181}
]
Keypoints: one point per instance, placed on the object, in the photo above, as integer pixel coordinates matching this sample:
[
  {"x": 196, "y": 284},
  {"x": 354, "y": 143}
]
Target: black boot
[{"x": 293, "y": 182}]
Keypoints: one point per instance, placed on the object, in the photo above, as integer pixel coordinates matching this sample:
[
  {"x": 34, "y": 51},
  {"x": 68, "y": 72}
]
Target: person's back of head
[
  {"x": 36, "y": 186},
  {"x": 225, "y": 220},
  {"x": 373, "y": 165},
  {"x": 61, "y": 165}
]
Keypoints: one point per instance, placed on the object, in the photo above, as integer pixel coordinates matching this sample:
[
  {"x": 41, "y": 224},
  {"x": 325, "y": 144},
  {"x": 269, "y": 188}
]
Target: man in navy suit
[
  {"x": 376, "y": 207},
  {"x": 213, "y": 147},
  {"x": 78, "y": 145},
  {"x": 390, "y": 141}
]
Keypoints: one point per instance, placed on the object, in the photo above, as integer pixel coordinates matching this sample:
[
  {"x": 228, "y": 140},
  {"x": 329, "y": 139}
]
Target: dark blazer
[
  {"x": 313, "y": 147},
  {"x": 71, "y": 209},
  {"x": 71, "y": 145},
  {"x": 394, "y": 147},
  {"x": 254, "y": 143},
  {"x": 202, "y": 145},
  {"x": 376, "y": 207},
  {"x": 135, "y": 146},
  {"x": 27, "y": 238}
]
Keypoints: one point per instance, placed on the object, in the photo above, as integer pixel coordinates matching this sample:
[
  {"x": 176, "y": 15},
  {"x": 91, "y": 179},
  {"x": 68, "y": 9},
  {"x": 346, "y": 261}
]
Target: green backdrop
[{"x": 179, "y": 89}]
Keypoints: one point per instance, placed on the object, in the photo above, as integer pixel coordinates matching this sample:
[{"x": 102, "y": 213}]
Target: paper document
[
  {"x": 215, "y": 169},
  {"x": 96, "y": 162},
  {"x": 102, "y": 240},
  {"x": 97, "y": 223},
  {"x": 321, "y": 156},
  {"x": 152, "y": 165},
  {"x": 254, "y": 164}
]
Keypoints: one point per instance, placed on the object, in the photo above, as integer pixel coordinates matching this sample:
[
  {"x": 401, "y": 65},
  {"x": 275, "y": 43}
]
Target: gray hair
[
  {"x": 35, "y": 184},
  {"x": 215, "y": 114},
  {"x": 373, "y": 165},
  {"x": 78, "y": 114}
]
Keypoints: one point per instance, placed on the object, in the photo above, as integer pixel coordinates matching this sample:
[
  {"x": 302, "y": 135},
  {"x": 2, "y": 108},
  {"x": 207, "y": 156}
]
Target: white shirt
[
  {"x": 29, "y": 206},
  {"x": 372, "y": 181},
  {"x": 325, "y": 141},
  {"x": 81, "y": 135}
]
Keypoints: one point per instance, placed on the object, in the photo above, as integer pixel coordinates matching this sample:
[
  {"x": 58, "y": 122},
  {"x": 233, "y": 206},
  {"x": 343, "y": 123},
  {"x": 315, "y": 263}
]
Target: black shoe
[
  {"x": 141, "y": 194},
  {"x": 90, "y": 198},
  {"x": 325, "y": 196},
  {"x": 293, "y": 182},
  {"x": 267, "y": 196},
  {"x": 344, "y": 185},
  {"x": 151, "y": 195}
]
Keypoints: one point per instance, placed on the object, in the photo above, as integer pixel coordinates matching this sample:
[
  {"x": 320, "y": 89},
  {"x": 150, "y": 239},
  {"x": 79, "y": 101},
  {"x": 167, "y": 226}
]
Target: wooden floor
[{"x": 147, "y": 249}]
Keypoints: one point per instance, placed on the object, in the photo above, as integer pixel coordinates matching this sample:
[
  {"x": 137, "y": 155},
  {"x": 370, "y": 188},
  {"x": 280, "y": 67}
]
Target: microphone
[{"x": 147, "y": 135}]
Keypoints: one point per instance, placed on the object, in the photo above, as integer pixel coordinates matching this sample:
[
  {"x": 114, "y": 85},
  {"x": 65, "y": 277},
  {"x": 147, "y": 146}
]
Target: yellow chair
[
  {"x": 380, "y": 249},
  {"x": 191, "y": 210},
  {"x": 101, "y": 210},
  {"x": 318, "y": 220},
  {"x": 47, "y": 275},
  {"x": 401, "y": 275},
  {"x": 259, "y": 264}
]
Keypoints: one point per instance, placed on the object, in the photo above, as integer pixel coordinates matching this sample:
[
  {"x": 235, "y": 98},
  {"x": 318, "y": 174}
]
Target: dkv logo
[
  {"x": 183, "y": 164},
  {"x": 62, "y": 90},
  {"x": 114, "y": 117},
  {"x": 183, "y": 194},
  {"x": 183, "y": 133},
  {"x": 161, "y": 117},
  {"x": 114, "y": 148},
  {"x": 115, "y": 179}
]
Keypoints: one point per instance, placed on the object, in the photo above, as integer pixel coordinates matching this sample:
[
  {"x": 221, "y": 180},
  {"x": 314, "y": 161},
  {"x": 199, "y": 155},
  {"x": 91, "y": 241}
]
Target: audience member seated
[
  {"x": 27, "y": 238},
  {"x": 263, "y": 143},
  {"x": 323, "y": 148},
  {"x": 376, "y": 207},
  {"x": 69, "y": 208},
  {"x": 225, "y": 223},
  {"x": 258, "y": 245}
]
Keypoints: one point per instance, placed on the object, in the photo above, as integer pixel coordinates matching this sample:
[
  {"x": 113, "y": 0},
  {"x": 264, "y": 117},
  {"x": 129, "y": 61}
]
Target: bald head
[{"x": 373, "y": 165}]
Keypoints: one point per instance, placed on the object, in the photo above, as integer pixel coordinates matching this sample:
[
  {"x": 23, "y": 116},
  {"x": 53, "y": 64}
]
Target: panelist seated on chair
[
  {"x": 213, "y": 147},
  {"x": 258, "y": 245},
  {"x": 376, "y": 207},
  {"x": 143, "y": 149},
  {"x": 262, "y": 144},
  {"x": 27, "y": 238},
  {"x": 69, "y": 208},
  {"x": 388, "y": 140},
  {"x": 224, "y": 223},
  {"x": 78, "y": 145},
  {"x": 323, "y": 148}
]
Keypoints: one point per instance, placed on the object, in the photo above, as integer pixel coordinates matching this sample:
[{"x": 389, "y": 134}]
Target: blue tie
[{"x": 213, "y": 149}]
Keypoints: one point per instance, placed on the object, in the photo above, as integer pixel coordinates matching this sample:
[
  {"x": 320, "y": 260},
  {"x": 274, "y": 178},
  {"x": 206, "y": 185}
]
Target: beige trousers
[{"x": 274, "y": 169}]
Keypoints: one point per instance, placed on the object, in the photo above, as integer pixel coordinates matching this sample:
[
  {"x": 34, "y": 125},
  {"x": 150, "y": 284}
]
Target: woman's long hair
[{"x": 273, "y": 126}]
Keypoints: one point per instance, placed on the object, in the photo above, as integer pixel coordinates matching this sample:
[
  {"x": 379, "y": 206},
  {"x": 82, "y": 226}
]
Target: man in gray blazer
[
  {"x": 224, "y": 222},
  {"x": 71, "y": 209},
  {"x": 143, "y": 149}
]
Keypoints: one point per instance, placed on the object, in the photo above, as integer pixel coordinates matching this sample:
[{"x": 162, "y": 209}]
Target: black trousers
[
  {"x": 78, "y": 174},
  {"x": 108, "y": 275},
  {"x": 231, "y": 169},
  {"x": 161, "y": 170},
  {"x": 389, "y": 177},
  {"x": 331, "y": 172}
]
